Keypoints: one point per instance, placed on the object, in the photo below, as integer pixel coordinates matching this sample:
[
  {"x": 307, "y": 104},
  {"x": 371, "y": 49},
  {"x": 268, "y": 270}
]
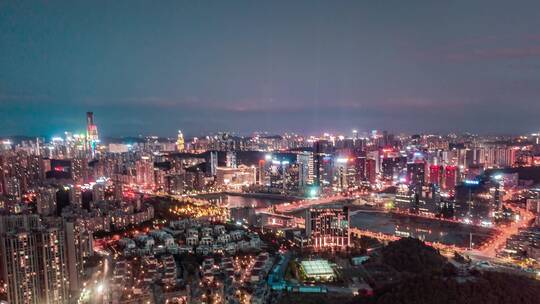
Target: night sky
[{"x": 153, "y": 67}]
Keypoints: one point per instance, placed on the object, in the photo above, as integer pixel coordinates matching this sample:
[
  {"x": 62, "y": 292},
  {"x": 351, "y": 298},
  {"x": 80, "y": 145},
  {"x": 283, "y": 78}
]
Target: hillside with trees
[{"x": 413, "y": 256}]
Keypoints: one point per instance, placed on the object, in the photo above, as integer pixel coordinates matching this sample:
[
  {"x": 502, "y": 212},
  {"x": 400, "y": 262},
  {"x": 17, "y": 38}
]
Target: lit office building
[
  {"x": 344, "y": 173},
  {"x": 328, "y": 227},
  {"x": 321, "y": 160},
  {"x": 360, "y": 165},
  {"x": 404, "y": 198},
  {"x": 280, "y": 174},
  {"x": 392, "y": 166}
]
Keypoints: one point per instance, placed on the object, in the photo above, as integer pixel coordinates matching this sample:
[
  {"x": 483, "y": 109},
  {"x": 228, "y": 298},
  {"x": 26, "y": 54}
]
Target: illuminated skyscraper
[
  {"x": 344, "y": 172},
  {"x": 231, "y": 159},
  {"x": 321, "y": 163},
  {"x": 450, "y": 178},
  {"x": 435, "y": 174},
  {"x": 306, "y": 169},
  {"x": 213, "y": 162},
  {"x": 416, "y": 174},
  {"x": 370, "y": 167},
  {"x": 180, "y": 142},
  {"x": 91, "y": 133}
]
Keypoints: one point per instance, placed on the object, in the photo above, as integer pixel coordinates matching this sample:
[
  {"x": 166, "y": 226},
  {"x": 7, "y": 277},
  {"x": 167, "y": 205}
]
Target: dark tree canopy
[
  {"x": 412, "y": 255},
  {"x": 489, "y": 287}
]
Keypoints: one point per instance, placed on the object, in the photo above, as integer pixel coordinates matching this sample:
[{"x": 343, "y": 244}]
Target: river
[
  {"x": 430, "y": 230},
  {"x": 426, "y": 229}
]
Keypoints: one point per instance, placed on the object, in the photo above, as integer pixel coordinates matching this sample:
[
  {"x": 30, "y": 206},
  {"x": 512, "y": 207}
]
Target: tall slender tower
[
  {"x": 91, "y": 133},
  {"x": 180, "y": 142}
]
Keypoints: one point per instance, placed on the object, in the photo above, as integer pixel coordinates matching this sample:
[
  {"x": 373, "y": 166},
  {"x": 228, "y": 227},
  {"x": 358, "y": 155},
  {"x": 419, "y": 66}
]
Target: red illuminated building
[
  {"x": 435, "y": 174},
  {"x": 450, "y": 177}
]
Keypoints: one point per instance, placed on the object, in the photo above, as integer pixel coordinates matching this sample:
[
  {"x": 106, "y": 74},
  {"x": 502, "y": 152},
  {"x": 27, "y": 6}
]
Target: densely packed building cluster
[{"x": 57, "y": 193}]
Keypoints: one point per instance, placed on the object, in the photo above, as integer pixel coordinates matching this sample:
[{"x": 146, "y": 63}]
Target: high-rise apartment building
[
  {"x": 371, "y": 170},
  {"x": 79, "y": 242},
  {"x": 46, "y": 200},
  {"x": 416, "y": 174},
  {"x": 435, "y": 174},
  {"x": 98, "y": 193},
  {"x": 32, "y": 260},
  {"x": 144, "y": 168},
  {"x": 450, "y": 177},
  {"x": 213, "y": 163},
  {"x": 75, "y": 195},
  {"x": 305, "y": 169},
  {"x": 79, "y": 170},
  {"x": 230, "y": 160}
]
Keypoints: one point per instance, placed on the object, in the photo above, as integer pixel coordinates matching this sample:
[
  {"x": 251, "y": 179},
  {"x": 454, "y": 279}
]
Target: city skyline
[
  {"x": 306, "y": 67},
  {"x": 81, "y": 129}
]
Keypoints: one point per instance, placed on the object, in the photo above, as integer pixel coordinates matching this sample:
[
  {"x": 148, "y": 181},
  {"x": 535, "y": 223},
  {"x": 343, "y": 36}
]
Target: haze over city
[{"x": 244, "y": 66}]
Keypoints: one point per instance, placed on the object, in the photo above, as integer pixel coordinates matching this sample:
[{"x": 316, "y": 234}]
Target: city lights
[{"x": 269, "y": 153}]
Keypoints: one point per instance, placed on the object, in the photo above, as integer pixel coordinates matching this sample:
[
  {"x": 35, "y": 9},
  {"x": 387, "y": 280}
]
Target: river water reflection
[{"x": 430, "y": 230}]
